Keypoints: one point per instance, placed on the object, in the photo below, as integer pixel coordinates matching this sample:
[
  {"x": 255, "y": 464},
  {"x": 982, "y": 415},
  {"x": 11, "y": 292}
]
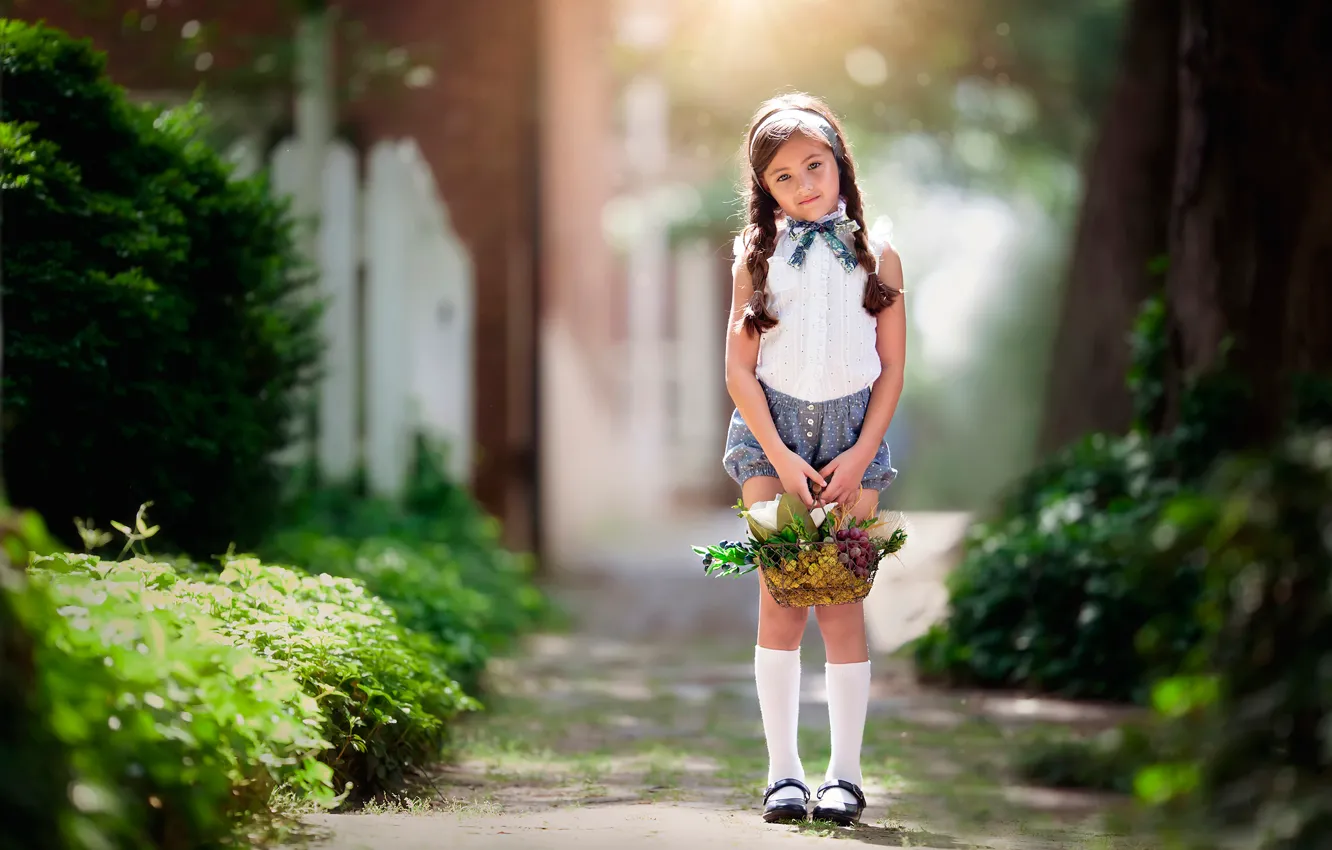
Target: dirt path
[{"x": 591, "y": 742}]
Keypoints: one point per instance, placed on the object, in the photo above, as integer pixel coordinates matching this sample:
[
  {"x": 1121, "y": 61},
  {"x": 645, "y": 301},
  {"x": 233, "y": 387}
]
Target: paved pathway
[{"x": 641, "y": 729}]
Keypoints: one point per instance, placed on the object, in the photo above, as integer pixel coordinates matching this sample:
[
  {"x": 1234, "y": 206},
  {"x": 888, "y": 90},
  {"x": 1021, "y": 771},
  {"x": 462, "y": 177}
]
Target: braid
[
  {"x": 878, "y": 296},
  {"x": 760, "y": 240}
]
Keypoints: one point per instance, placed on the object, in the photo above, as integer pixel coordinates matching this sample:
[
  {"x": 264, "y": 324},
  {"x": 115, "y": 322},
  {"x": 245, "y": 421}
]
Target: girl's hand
[
  {"x": 795, "y": 476},
  {"x": 844, "y": 475}
]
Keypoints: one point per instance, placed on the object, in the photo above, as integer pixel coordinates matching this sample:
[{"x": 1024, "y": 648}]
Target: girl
[{"x": 814, "y": 356}]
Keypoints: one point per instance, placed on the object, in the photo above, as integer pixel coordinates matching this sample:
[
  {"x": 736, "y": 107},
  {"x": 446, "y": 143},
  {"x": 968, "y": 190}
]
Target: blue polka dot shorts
[{"x": 818, "y": 431}]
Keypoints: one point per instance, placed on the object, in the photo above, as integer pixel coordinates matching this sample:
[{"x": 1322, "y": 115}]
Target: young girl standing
[{"x": 814, "y": 357}]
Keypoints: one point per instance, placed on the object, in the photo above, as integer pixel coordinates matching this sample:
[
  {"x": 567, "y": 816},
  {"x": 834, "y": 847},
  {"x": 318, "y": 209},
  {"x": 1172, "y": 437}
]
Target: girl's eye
[
  {"x": 815, "y": 164},
  {"x": 782, "y": 177}
]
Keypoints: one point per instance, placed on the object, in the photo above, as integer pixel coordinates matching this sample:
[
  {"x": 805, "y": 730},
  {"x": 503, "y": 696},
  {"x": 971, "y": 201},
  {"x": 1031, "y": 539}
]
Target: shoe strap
[
  {"x": 845, "y": 786},
  {"x": 789, "y": 782}
]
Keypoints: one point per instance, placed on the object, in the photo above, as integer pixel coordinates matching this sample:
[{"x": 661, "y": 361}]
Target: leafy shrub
[
  {"x": 34, "y": 804},
  {"x": 435, "y": 558},
  {"x": 167, "y": 736},
  {"x": 382, "y": 694},
  {"x": 155, "y": 328},
  {"x": 1245, "y": 741},
  {"x": 1044, "y": 596},
  {"x": 1059, "y": 590}
]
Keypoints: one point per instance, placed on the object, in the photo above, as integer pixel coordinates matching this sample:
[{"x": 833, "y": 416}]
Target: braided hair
[{"x": 767, "y": 133}]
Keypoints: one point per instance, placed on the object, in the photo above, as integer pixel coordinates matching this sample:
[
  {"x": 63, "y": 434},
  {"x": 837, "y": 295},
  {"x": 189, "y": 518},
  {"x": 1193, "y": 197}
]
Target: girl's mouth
[{"x": 810, "y": 200}]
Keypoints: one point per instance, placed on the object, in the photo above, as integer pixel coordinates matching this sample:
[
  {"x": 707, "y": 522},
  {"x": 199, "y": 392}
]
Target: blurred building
[{"x": 493, "y": 233}]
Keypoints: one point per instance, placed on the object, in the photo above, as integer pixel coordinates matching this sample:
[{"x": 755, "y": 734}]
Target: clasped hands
[{"x": 837, "y": 482}]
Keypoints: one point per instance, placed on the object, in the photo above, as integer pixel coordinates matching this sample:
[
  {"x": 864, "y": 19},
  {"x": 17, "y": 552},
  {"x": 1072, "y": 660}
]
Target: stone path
[
  {"x": 597, "y": 743},
  {"x": 641, "y": 729}
]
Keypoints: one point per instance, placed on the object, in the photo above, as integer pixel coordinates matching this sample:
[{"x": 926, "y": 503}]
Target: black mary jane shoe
[
  {"x": 785, "y": 810},
  {"x": 840, "y": 813}
]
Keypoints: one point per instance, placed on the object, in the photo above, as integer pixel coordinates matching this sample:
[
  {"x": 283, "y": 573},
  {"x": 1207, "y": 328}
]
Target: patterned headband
[{"x": 808, "y": 118}]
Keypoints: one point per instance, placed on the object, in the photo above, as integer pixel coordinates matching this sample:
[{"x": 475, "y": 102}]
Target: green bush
[
  {"x": 1045, "y": 596},
  {"x": 1244, "y": 743},
  {"x": 436, "y": 558},
  {"x": 34, "y": 804},
  {"x": 162, "y": 735},
  {"x": 1059, "y": 590},
  {"x": 382, "y": 693},
  {"x": 155, "y": 324}
]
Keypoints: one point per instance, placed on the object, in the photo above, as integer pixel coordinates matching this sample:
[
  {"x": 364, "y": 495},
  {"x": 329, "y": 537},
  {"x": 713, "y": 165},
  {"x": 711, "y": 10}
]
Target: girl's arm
[
  {"x": 848, "y": 468},
  {"x": 742, "y": 350}
]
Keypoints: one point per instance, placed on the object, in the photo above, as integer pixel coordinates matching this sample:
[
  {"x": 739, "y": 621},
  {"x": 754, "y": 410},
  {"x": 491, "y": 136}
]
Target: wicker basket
[{"x": 809, "y": 574}]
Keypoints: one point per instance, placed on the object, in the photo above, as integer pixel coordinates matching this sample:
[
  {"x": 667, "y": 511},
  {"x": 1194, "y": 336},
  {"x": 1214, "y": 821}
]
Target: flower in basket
[
  {"x": 783, "y": 530},
  {"x": 765, "y": 518}
]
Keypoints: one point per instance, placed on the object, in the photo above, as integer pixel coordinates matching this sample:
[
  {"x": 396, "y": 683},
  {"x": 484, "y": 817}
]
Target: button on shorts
[{"x": 818, "y": 431}]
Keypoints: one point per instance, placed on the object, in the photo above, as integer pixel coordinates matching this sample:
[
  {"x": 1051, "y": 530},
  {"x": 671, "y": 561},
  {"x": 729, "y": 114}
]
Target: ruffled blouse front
[{"x": 825, "y": 343}]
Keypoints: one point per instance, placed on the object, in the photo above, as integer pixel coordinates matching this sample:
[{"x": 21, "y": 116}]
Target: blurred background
[
  {"x": 522, "y": 213},
  {"x": 431, "y": 296}
]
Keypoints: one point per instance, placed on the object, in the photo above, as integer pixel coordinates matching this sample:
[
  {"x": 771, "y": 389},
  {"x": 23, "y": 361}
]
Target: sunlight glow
[
  {"x": 866, "y": 66},
  {"x": 950, "y": 302}
]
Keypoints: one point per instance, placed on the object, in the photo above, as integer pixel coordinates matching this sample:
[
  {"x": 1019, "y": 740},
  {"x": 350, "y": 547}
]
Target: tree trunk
[
  {"x": 1251, "y": 229},
  {"x": 1123, "y": 226}
]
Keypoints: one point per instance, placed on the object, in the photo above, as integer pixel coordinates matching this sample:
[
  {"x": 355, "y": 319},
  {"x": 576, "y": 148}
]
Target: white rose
[{"x": 765, "y": 514}]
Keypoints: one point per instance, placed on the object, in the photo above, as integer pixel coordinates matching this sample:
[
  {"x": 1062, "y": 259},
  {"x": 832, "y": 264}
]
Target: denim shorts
[{"x": 818, "y": 431}]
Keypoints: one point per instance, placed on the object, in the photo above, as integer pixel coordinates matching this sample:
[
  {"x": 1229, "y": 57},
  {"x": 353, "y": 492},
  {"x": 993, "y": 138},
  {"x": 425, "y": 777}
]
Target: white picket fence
[{"x": 398, "y": 287}]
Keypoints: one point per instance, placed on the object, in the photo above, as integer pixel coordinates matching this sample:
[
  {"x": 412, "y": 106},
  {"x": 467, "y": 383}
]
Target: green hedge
[
  {"x": 435, "y": 557},
  {"x": 1235, "y": 752},
  {"x": 1243, "y": 746},
  {"x": 34, "y": 808},
  {"x": 1045, "y": 596},
  {"x": 1059, "y": 591},
  {"x": 173, "y": 701},
  {"x": 166, "y": 736},
  {"x": 156, "y": 326}
]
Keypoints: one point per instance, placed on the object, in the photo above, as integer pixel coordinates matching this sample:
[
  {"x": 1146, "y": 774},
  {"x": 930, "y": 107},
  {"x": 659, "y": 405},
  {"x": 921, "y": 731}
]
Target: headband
[{"x": 806, "y": 117}]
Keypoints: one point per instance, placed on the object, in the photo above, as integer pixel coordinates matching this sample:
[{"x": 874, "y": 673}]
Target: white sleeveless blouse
[{"x": 825, "y": 344}]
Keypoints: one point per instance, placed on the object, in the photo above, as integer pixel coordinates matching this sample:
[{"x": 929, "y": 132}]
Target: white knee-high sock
[
  {"x": 848, "y": 700},
  {"x": 777, "y": 675}
]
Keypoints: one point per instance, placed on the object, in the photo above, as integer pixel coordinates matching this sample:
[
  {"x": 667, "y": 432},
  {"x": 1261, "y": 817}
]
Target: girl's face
[{"x": 803, "y": 178}]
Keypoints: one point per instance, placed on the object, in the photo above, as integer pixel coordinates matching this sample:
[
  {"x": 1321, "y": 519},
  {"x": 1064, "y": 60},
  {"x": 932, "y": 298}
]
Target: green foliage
[
  {"x": 1243, "y": 738},
  {"x": 156, "y": 704},
  {"x": 164, "y": 734},
  {"x": 147, "y": 290},
  {"x": 382, "y": 691},
  {"x": 1150, "y": 352},
  {"x": 23, "y": 532},
  {"x": 34, "y": 806},
  {"x": 1060, "y": 590},
  {"x": 436, "y": 558},
  {"x": 1043, "y": 597},
  {"x": 1046, "y": 596}
]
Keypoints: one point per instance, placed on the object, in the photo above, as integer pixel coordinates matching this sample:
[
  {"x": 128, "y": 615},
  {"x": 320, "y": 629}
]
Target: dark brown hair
[{"x": 759, "y": 237}]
